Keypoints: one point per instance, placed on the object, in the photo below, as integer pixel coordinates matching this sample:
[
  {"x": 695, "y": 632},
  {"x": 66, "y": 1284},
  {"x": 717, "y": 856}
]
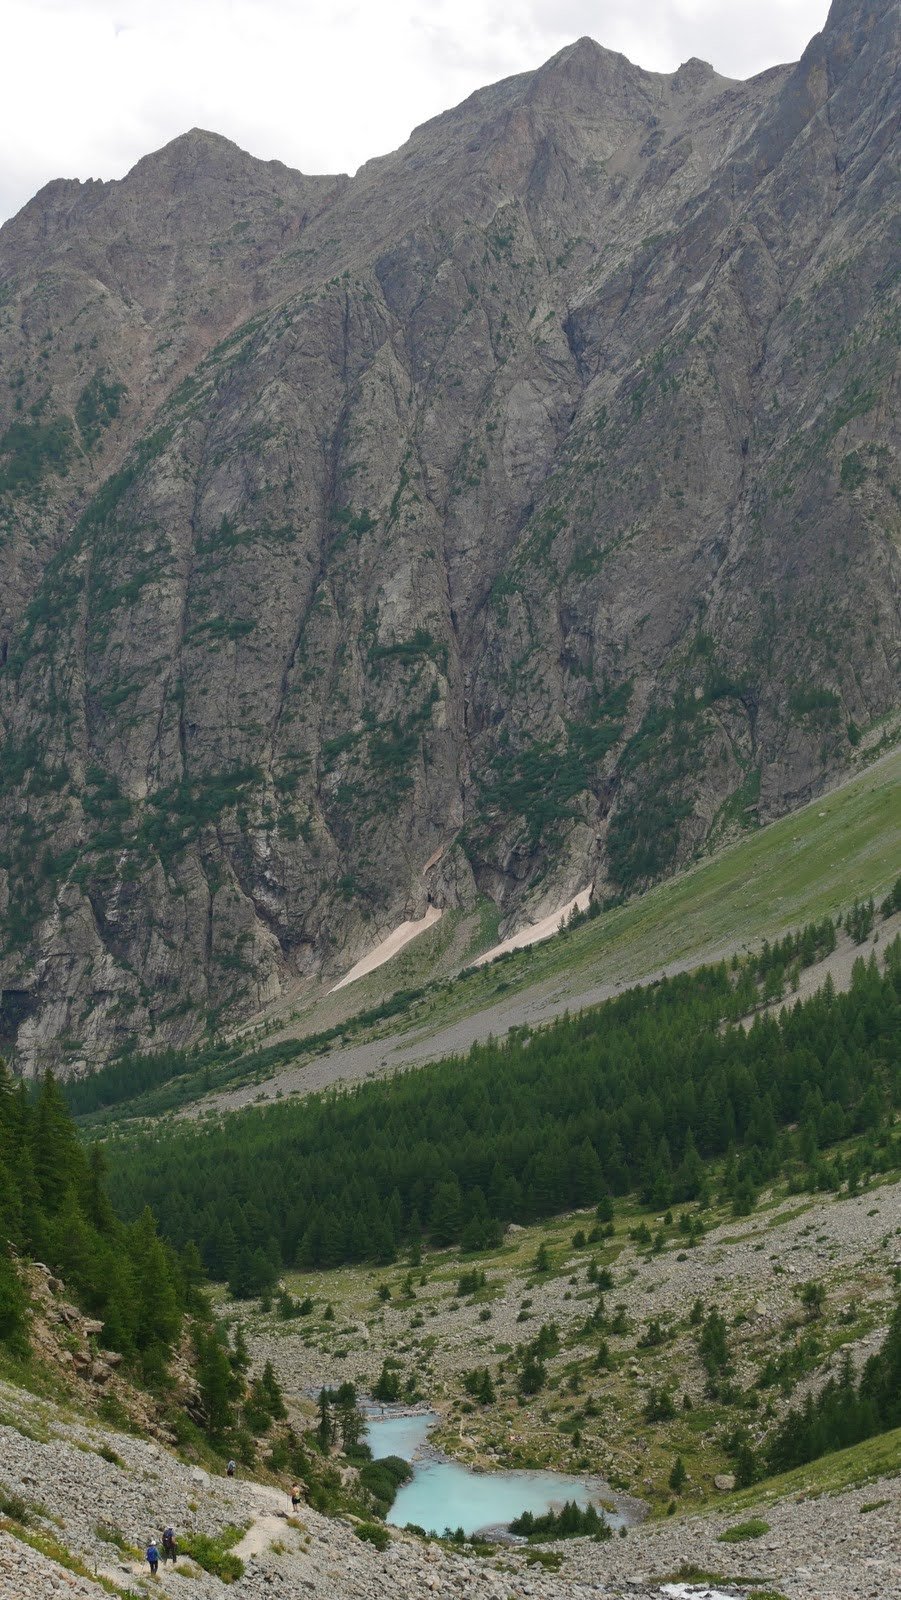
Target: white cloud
[{"x": 91, "y": 85}]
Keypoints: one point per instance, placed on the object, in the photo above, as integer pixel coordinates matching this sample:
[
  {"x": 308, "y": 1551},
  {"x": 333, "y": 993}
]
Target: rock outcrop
[{"x": 527, "y": 505}]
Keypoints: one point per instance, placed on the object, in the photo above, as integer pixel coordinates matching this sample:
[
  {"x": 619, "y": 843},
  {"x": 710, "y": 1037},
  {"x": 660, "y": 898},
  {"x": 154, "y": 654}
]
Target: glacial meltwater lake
[{"x": 444, "y": 1494}]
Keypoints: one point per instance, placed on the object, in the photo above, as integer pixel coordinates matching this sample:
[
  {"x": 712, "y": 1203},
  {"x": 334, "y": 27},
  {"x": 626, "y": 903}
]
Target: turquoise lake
[{"x": 444, "y": 1494}]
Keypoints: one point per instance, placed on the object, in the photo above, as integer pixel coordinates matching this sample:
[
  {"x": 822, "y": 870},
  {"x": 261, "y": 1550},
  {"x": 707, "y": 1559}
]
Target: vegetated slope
[
  {"x": 810, "y": 865},
  {"x": 635, "y": 1094},
  {"x": 634, "y": 1306},
  {"x": 53, "y": 1207},
  {"x": 139, "y": 1343},
  {"x": 541, "y": 521}
]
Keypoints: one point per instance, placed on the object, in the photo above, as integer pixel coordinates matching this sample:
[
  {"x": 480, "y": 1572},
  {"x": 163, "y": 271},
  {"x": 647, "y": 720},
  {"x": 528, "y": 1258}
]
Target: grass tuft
[{"x": 754, "y": 1528}]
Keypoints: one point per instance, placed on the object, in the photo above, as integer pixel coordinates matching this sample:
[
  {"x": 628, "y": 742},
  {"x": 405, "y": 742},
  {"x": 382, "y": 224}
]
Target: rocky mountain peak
[
  {"x": 517, "y": 515},
  {"x": 586, "y": 61},
  {"x": 200, "y": 159},
  {"x": 585, "y": 80},
  {"x": 695, "y": 75}
]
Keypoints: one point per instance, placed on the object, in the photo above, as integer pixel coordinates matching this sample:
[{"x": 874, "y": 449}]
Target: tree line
[
  {"x": 54, "y": 1208},
  {"x": 844, "y": 1411},
  {"x": 638, "y": 1094},
  {"x": 152, "y": 1083}
]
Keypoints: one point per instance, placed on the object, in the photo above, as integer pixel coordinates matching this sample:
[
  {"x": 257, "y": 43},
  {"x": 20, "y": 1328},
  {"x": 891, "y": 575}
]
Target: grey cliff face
[{"x": 529, "y": 502}]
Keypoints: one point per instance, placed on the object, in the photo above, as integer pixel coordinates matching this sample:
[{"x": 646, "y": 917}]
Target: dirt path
[
  {"x": 263, "y": 1531},
  {"x": 267, "y": 1526}
]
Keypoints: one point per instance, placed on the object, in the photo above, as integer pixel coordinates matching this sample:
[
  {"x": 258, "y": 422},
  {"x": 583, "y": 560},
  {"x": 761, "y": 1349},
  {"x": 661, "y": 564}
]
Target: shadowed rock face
[{"x": 527, "y": 505}]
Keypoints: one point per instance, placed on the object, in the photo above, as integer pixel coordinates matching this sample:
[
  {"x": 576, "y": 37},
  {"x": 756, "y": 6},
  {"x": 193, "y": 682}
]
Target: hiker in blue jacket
[{"x": 153, "y": 1558}]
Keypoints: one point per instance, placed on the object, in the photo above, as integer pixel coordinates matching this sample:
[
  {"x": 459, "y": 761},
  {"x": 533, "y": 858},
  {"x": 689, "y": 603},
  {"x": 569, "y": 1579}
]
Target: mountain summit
[{"x": 517, "y": 515}]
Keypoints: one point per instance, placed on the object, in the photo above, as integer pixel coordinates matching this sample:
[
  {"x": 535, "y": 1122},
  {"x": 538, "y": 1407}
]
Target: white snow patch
[
  {"x": 388, "y": 947},
  {"x": 694, "y": 1591},
  {"x": 534, "y": 932}
]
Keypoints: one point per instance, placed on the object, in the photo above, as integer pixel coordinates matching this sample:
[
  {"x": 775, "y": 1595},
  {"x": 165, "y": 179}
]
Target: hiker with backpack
[{"x": 170, "y": 1549}]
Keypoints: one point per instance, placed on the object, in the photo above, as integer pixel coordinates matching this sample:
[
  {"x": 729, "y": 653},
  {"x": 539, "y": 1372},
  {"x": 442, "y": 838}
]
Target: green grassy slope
[
  {"x": 813, "y": 862},
  {"x": 808, "y": 864},
  {"x": 841, "y": 1469}
]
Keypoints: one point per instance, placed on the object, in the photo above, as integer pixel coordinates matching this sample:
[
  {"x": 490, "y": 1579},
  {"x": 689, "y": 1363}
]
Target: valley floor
[
  {"x": 79, "y": 1500},
  {"x": 95, "y": 1495},
  {"x": 588, "y": 1419},
  {"x": 831, "y": 1531}
]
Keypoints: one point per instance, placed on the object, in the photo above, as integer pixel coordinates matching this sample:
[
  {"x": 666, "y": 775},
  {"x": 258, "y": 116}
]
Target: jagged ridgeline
[{"x": 519, "y": 514}]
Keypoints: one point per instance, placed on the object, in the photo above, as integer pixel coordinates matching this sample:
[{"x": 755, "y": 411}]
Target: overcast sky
[{"x": 89, "y": 86}]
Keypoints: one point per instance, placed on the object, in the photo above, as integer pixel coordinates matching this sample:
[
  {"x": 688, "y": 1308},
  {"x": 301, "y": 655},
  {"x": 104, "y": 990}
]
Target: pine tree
[
  {"x": 156, "y": 1294},
  {"x": 350, "y": 1419},
  {"x": 690, "y": 1174},
  {"x": 387, "y": 1385},
  {"x": 13, "y": 1307},
  {"x": 273, "y": 1391},
  {"x": 325, "y": 1428},
  {"x": 240, "y": 1355},
  {"x": 215, "y": 1381},
  {"x": 587, "y": 1177},
  {"x": 661, "y": 1185},
  {"x": 542, "y": 1261},
  {"x": 447, "y": 1213}
]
